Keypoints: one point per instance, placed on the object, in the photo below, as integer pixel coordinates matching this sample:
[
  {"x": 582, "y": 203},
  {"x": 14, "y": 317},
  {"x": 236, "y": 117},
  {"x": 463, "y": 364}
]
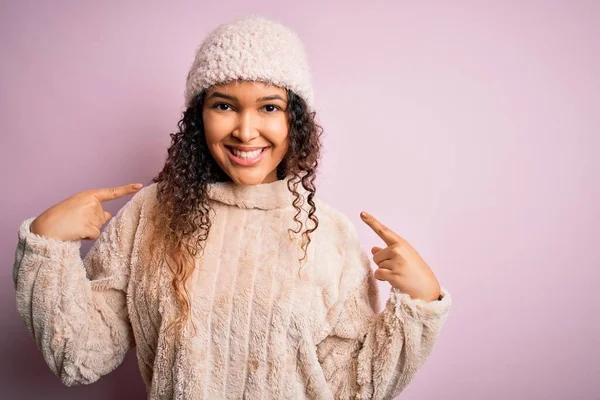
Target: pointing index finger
[
  {"x": 115, "y": 192},
  {"x": 385, "y": 233}
]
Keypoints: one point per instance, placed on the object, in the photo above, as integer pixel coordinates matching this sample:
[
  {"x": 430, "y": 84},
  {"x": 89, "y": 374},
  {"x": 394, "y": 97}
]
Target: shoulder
[
  {"x": 145, "y": 196},
  {"x": 354, "y": 269},
  {"x": 334, "y": 223},
  {"x": 147, "y": 193},
  {"x": 139, "y": 202}
]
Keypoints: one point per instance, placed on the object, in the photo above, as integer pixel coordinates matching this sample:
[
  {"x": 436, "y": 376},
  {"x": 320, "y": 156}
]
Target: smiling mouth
[{"x": 247, "y": 157}]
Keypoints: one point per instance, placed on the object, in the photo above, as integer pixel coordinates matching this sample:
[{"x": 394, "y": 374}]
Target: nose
[{"x": 245, "y": 130}]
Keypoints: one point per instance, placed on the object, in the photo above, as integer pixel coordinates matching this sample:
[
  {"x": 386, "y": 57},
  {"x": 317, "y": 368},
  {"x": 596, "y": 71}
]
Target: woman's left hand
[{"x": 401, "y": 265}]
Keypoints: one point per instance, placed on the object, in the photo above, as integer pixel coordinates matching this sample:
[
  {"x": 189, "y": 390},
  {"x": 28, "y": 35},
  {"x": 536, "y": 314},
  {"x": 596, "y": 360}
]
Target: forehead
[{"x": 247, "y": 87}]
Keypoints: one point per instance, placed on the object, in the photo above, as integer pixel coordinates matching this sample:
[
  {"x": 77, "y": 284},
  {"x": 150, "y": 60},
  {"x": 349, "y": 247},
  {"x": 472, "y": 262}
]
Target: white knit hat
[{"x": 253, "y": 49}]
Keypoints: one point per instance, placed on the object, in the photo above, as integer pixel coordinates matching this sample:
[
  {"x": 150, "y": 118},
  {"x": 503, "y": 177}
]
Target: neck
[{"x": 265, "y": 196}]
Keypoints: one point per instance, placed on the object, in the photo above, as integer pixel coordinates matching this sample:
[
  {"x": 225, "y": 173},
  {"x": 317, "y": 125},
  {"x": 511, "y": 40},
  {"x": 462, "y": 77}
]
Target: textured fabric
[
  {"x": 264, "y": 330},
  {"x": 251, "y": 49}
]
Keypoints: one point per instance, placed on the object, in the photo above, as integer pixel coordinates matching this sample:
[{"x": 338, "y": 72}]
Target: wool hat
[{"x": 254, "y": 49}]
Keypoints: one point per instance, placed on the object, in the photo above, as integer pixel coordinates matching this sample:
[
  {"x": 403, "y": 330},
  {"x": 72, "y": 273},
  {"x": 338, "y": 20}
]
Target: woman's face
[{"x": 246, "y": 128}]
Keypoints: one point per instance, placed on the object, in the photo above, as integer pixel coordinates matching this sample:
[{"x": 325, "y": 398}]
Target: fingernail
[
  {"x": 363, "y": 214},
  {"x": 137, "y": 185}
]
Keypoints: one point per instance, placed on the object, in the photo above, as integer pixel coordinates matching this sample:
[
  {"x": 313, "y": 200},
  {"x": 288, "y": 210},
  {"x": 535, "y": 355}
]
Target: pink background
[{"x": 468, "y": 127}]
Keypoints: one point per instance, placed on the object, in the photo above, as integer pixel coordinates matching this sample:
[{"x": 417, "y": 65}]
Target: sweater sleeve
[
  {"x": 374, "y": 355},
  {"x": 76, "y": 309}
]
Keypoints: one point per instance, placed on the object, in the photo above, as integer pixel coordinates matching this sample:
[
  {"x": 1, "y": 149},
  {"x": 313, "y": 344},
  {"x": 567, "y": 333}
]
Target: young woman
[{"x": 226, "y": 272}]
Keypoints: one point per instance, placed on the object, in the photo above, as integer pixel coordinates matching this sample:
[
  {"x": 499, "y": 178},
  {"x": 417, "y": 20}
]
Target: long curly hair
[{"x": 181, "y": 216}]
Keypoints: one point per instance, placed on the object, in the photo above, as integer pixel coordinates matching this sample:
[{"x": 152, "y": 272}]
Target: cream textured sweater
[{"x": 263, "y": 330}]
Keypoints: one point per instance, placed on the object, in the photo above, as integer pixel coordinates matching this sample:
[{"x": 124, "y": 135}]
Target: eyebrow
[{"x": 233, "y": 98}]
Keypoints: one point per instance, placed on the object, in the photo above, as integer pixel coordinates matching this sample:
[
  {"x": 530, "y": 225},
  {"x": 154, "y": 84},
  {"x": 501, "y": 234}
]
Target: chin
[{"x": 247, "y": 178}]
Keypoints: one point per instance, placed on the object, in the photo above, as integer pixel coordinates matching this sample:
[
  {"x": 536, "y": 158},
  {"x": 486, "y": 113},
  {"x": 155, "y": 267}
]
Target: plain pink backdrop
[{"x": 470, "y": 128}]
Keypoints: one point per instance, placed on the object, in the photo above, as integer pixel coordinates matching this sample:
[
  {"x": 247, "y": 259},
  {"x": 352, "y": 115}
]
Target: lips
[
  {"x": 245, "y": 157},
  {"x": 244, "y": 148}
]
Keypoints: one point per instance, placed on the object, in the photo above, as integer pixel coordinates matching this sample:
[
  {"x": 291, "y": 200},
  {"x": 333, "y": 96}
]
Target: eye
[
  {"x": 221, "y": 106},
  {"x": 271, "y": 108}
]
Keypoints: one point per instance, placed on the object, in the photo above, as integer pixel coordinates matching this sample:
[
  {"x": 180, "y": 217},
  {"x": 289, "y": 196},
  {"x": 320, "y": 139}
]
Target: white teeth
[{"x": 246, "y": 154}]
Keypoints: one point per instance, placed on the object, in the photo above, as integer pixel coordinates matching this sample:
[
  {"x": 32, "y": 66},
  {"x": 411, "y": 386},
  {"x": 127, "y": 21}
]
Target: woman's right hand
[{"x": 80, "y": 216}]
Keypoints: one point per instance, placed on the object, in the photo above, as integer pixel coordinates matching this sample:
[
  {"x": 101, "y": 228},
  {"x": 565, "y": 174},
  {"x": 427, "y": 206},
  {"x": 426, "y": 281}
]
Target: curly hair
[{"x": 181, "y": 215}]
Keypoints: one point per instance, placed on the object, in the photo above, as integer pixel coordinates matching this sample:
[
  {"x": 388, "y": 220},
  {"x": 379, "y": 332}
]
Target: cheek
[
  {"x": 212, "y": 142},
  {"x": 215, "y": 131},
  {"x": 278, "y": 131},
  {"x": 284, "y": 147},
  {"x": 281, "y": 145},
  {"x": 211, "y": 130}
]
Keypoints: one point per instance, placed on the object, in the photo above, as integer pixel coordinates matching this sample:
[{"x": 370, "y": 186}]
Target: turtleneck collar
[{"x": 264, "y": 196}]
